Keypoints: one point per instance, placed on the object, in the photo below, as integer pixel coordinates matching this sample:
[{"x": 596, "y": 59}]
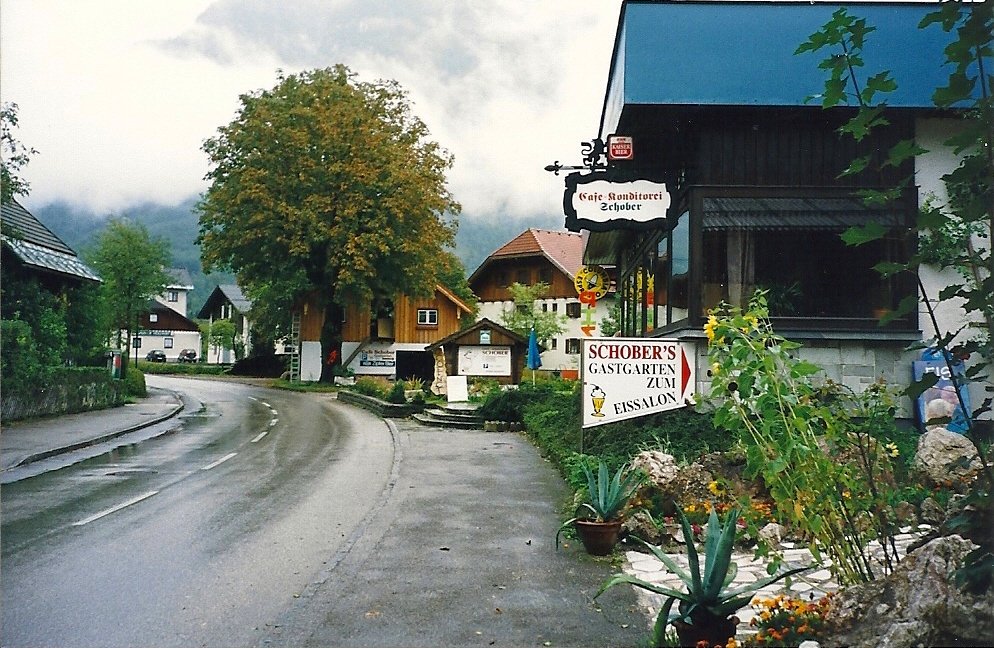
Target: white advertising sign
[
  {"x": 625, "y": 378},
  {"x": 484, "y": 361},
  {"x": 639, "y": 201}
]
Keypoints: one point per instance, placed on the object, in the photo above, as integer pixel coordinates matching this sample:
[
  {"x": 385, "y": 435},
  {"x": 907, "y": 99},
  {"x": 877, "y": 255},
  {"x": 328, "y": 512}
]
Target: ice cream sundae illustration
[{"x": 597, "y": 396}]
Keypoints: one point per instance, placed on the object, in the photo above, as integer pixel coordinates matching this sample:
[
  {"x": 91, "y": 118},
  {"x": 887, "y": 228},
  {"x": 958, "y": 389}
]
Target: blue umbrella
[{"x": 534, "y": 360}]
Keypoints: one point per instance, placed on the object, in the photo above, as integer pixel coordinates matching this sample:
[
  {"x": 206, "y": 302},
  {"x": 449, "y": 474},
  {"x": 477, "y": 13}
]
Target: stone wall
[
  {"x": 853, "y": 363},
  {"x": 67, "y": 391}
]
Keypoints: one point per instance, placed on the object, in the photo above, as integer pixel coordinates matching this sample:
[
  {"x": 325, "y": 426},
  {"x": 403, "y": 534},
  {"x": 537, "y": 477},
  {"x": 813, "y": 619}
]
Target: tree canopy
[
  {"x": 132, "y": 265},
  {"x": 524, "y": 316},
  {"x": 327, "y": 184},
  {"x": 13, "y": 156}
]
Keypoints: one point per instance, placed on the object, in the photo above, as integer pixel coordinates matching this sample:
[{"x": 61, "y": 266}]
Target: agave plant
[
  {"x": 708, "y": 600},
  {"x": 608, "y": 495}
]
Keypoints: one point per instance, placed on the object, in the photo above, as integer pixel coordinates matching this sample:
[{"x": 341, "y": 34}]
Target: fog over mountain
[{"x": 478, "y": 235}]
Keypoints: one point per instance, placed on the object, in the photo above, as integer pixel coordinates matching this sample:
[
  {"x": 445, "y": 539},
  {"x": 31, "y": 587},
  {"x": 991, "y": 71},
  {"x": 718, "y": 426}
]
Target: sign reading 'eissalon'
[
  {"x": 626, "y": 378},
  {"x": 597, "y": 203}
]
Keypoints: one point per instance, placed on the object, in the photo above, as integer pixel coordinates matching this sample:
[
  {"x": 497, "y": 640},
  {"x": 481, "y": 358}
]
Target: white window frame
[{"x": 427, "y": 317}]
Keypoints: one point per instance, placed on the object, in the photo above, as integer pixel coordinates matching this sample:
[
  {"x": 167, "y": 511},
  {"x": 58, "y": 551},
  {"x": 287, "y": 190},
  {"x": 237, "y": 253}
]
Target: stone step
[{"x": 438, "y": 418}]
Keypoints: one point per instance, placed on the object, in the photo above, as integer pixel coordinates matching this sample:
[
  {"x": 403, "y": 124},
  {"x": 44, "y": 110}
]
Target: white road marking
[
  {"x": 260, "y": 437},
  {"x": 114, "y": 509},
  {"x": 219, "y": 461},
  {"x": 274, "y": 422}
]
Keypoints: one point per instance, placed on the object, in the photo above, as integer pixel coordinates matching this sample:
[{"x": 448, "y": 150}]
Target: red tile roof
[{"x": 563, "y": 249}]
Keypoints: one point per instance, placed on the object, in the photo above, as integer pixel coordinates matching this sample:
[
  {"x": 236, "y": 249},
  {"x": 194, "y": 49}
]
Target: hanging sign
[
  {"x": 624, "y": 378},
  {"x": 620, "y": 147},
  {"x": 592, "y": 279},
  {"x": 595, "y": 203}
]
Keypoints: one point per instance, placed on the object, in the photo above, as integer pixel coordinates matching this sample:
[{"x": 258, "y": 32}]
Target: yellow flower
[
  {"x": 892, "y": 448},
  {"x": 846, "y": 494},
  {"x": 710, "y": 326}
]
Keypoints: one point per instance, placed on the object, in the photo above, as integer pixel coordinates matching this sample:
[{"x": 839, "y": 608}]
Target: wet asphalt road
[{"x": 272, "y": 518}]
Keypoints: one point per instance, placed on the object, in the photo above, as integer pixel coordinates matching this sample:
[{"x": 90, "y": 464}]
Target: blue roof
[{"x": 742, "y": 54}]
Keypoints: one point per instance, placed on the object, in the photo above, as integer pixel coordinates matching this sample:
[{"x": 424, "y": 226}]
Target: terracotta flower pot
[{"x": 598, "y": 538}]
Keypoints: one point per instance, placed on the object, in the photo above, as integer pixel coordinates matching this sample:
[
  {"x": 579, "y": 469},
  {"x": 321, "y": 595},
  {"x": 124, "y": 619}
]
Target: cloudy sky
[{"x": 117, "y": 96}]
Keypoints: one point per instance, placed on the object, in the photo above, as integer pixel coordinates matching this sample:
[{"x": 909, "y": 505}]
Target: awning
[{"x": 826, "y": 214}]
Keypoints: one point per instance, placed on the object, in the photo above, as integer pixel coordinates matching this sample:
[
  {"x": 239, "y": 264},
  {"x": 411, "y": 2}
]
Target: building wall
[
  {"x": 929, "y": 169},
  {"x": 492, "y": 285},
  {"x": 856, "y": 364},
  {"x": 555, "y": 356}
]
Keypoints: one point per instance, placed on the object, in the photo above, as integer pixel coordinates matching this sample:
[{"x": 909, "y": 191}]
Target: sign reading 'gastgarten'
[
  {"x": 625, "y": 378},
  {"x": 593, "y": 202}
]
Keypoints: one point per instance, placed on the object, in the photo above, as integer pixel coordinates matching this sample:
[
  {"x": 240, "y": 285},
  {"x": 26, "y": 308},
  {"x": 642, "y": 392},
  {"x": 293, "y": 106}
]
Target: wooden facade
[
  {"x": 493, "y": 285},
  {"x": 403, "y": 327}
]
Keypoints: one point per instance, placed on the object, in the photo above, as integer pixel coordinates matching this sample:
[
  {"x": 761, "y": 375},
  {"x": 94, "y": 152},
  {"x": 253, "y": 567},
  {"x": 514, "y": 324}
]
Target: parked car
[
  {"x": 156, "y": 356},
  {"x": 187, "y": 355}
]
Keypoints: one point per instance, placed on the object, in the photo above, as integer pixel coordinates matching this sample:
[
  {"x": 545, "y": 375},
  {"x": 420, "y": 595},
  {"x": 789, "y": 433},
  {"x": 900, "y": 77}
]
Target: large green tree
[
  {"x": 132, "y": 264},
  {"x": 330, "y": 186}
]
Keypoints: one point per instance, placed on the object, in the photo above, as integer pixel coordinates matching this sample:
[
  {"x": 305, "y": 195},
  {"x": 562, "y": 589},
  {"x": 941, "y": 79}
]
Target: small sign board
[
  {"x": 484, "y": 360},
  {"x": 595, "y": 202},
  {"x": 620, "y": 147},
  {"x": 624, "y": 378}
]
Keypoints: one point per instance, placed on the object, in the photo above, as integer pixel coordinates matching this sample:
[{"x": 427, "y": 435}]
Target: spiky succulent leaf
[
  {"x": 693, "y": 560},
  {"x": 617, "y": 579},
  {"x": 717, "y": 565},
  {"x": 751, "y": 588},
  {"x": 666, "y": 560}
]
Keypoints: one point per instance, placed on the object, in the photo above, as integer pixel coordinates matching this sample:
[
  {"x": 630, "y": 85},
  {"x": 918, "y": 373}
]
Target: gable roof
[
  {"x": 168, "y": 319},
  {"x": 37, "y": 247},
  {"x": 563, "y": 249},
  {"x": 480, "y": 324},
  {"x": 229, "y": 293},
  {"x": 452, "y": 297}
]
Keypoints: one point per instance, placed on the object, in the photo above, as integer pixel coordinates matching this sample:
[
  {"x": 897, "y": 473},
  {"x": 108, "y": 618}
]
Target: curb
[{"x": 54, "y": 452}]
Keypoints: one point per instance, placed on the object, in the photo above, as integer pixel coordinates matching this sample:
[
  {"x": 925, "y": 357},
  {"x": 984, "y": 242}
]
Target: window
[
  {"x": 153, "y": 317},
  {"x": 523, "y": 277},
  {"x": 501, "y": 278},
  {"x": 573, "y": 346},
  {"x": 427, "y": 317},
  {"x": 172, "y": 296},
  {"x": 167, "y": 343},
  {"x": 553, "y": 344},
  {"x": 791, "y": 247},
  {"x": 573, "y": 309},
  {"x": 545, "y": 275}
]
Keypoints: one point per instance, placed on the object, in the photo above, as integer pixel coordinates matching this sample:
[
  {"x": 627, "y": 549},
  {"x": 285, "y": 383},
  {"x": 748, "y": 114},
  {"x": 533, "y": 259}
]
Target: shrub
[
  {"x": 369, "y": 387},
  {"x": 134, "y": 382},
  {"x": 396, "y": 394}
]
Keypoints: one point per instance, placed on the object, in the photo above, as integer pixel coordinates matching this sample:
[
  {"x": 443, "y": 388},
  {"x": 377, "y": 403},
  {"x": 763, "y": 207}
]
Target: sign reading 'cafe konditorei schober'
[
  {"x": 626, "y": 378},
  {"x": 595, "y": 203}
]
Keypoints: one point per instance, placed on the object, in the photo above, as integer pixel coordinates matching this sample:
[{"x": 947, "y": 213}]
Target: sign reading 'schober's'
[{"x": 626, "y": 378}]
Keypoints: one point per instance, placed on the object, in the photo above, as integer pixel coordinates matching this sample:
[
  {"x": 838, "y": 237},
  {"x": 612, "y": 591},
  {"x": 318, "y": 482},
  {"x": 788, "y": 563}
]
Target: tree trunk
[{"x": 331, "y": 341}]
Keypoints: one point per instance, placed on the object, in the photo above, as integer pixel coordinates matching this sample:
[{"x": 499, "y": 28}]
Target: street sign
[{"x": 627, "y": 378}]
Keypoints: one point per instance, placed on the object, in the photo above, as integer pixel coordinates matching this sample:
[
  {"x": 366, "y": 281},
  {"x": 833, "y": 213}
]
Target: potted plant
[
  {"x": 599, "y": 527},
  {"x": 706, "y": 608}
]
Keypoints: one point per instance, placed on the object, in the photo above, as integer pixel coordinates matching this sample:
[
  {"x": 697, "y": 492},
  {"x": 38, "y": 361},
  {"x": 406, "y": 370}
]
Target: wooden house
[
  {"x": 392, "y": 341},
  {"x": 554, "y": 258}
]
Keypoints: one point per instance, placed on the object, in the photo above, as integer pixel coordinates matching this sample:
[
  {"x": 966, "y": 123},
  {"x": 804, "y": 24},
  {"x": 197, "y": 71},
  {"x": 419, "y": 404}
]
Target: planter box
[{"x": 379, "y": 407}]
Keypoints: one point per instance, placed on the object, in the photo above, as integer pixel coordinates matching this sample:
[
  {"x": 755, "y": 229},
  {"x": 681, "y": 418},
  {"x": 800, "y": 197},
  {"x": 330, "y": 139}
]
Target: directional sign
[{"x": 625, "y": 378}]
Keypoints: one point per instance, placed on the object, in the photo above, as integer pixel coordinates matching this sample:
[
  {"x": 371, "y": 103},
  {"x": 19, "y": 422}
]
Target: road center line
[
  {"x": 260, "y": 437},
  {"x": 114, "y": 509},
  {"x": 219, "y": 461}
]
